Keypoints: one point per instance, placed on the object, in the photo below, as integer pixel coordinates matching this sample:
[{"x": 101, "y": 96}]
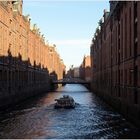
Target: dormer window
[{"x": 16, "y": 6}]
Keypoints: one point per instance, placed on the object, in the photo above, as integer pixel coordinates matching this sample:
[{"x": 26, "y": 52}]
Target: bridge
[{"x": 71, "y": 81}]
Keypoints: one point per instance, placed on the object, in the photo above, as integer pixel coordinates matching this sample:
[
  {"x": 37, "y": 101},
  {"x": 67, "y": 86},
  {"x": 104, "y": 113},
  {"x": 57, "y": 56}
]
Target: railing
[{"x": 70, "y": 82}]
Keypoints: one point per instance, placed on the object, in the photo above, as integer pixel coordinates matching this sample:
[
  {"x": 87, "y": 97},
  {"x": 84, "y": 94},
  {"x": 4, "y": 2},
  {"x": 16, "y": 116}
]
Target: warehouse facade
[
  {"x": 115, "y": 58},
  {"x": 25, "y": 58}
]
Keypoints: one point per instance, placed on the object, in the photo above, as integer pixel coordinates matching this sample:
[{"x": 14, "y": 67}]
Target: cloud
[
  {"x": 72, "y": 51},
  {"x": 73, "y": 42}
]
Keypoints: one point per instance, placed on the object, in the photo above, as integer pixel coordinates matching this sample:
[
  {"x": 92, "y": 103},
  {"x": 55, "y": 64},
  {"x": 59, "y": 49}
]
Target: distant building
[
  {"x": 70, "y": 73},
  {"x": 76, "y": 72},
  {"x": 85, "y": 68}
]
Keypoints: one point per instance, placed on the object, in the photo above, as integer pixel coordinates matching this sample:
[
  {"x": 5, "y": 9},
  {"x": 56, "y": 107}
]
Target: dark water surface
[{"x": 92, "y": 118}]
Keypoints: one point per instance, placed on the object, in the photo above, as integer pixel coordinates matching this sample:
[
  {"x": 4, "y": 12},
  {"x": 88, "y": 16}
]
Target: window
[
  {"x": 121, "y": 39},
  {"x": 135, "y": 9},
  {"x": 130, "y": 50},
  {"x": 126, "y": 76},
  {"x": 136, "y": 97},
  {"x": 125, "y": 47}
]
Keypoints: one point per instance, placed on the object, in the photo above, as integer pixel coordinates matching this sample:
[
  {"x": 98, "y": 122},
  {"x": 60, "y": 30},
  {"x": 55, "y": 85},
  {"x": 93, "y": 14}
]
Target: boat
[{"x": 65, "y": 102}]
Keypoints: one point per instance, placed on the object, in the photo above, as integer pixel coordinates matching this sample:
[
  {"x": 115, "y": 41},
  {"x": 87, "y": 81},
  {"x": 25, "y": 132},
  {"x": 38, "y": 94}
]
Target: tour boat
[{"x": 65, "y": 102}]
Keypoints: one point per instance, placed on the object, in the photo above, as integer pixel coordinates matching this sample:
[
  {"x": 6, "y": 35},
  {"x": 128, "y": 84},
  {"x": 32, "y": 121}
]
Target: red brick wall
[
  {"x": 85, "y": 68},
  {"x": 116, "y": 65},
  {"x": 24, "y": 57}
]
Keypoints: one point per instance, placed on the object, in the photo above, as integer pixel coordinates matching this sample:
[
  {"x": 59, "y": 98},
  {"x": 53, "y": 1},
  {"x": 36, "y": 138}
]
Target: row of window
[
  {"x": 121, "y": 77},
  {"x": 21, "y": 77}
]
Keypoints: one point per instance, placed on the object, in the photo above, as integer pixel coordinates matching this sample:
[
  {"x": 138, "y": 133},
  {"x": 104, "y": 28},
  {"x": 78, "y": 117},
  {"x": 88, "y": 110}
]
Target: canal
[{"x": 92, "y": 118}]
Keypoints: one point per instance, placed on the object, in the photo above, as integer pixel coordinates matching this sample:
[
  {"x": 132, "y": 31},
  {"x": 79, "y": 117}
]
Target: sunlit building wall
[
  {"x": 85, "y": 68},
  {"x": 25, "y": 60}
]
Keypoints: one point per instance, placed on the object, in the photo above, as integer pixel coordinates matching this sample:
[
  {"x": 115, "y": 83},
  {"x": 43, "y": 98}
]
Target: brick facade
[
  {"x": 25, "y": 61},
  {"x": 85, "y": 68},
  {"x": 116, "y": 53}
]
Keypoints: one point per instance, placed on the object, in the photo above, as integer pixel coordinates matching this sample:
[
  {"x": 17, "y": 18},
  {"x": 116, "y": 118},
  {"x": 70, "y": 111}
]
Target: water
[{"x": 92, "y": 118}]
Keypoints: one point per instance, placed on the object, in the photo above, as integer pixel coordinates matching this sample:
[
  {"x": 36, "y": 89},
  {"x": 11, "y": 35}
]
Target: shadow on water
[{"x": 92, "y": 118}]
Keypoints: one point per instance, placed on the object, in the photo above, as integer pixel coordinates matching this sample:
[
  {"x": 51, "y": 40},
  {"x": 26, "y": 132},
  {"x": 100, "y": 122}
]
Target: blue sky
[{"x": 70, "y": 24}]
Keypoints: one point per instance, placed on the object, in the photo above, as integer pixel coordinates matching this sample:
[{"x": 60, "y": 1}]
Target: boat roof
[{"x": 65, "y": 98}]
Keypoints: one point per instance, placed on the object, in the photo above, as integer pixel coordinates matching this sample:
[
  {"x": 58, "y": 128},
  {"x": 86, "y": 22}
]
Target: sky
[{"x": 69, "y": 24}]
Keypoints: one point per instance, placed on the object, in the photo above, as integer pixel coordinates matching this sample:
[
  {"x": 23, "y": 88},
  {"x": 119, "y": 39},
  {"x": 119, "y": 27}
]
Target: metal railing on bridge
[{"x": 70, "y": 81}]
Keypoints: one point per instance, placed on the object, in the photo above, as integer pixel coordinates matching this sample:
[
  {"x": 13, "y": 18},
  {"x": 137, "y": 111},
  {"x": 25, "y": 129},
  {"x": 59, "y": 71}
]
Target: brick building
[
  {"x": 115, "y": 58},
  {"x": 56, "y": 65},
  {"x": 25, "y": 62},
  {"x": 85, "y": 68},
  {"x": 73, "y": 72},
  {"x": 76, "y": 72}
]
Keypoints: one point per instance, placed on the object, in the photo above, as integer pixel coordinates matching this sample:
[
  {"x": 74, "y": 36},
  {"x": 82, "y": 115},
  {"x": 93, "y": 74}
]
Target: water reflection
[{"x": 37, "y": 118}]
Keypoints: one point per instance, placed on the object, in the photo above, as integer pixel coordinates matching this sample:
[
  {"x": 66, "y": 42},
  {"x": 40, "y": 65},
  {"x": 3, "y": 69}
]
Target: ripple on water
[{"x": 92, "y": 118}]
